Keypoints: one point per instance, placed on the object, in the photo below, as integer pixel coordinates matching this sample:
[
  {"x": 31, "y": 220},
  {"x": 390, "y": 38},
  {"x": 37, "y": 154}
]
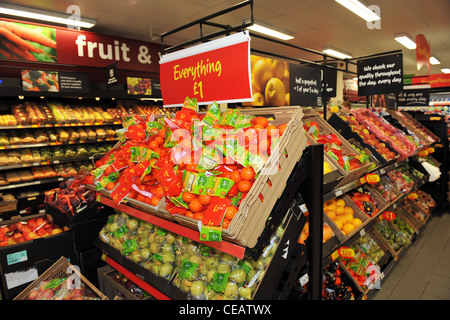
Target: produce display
[
  {"x": 408, "y": 206},
  {"x": 31, "y": 112},
  {"x": 365, "y": 200},
  {"x": 386, "y": 132},
  {"x": 369, "y": 138},
  {"x": 198, "y": 270},
  {"x": 401, "y": 180},
  {"x": 403, "y": 226},
  {"x": 342, "y": 215},
  {"x": 71, "y": 197},
  {"x": 370, "y": 247},
  {"x": 395, "y": 238},
  {"x": 347, "y": 159},
  {"x": 386, "y": 190},
  {"x": 335, "y": 284},
  {"x": 361, "y": 269},
  {"x": 129, "y": 285},
  {"x": 424, "y": 201},
  {"x": 199, "y": 177},
  {"x": 62, "y": 289},
  {"x": 23, "y": 231},
  {"x": 411, "y": 123},
  {"x": 364, "y": 158}
]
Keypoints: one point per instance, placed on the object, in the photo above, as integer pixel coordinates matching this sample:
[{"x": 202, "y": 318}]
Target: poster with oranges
[{"x": 270, "y": 82}]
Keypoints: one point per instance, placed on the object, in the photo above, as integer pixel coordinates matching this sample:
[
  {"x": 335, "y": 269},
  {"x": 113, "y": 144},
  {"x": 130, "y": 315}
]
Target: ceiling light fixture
[
  {"x": 270, "y": 32},
  {"x": 405, "y": 40},
  {"x": 445, "y": 70},
  {"x": 359, "y": 9},
  {"x": 32, "y": 13},
  {"x": 336, "y": 53},
  {"x": 434, "y": 60}
]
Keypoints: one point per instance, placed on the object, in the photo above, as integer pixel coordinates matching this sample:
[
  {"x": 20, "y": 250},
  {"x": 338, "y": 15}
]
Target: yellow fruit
[
  {"x": 348, "y": 228},
  {"x": 288, "y": 99},
  {"x": 339, "y": 223},
  {"x": 326, "y": 168},
  {"x": 348, "y": 217},
  {"x": 339, "y": 211},
  {"x": 275, "y": 93},
  {"x": 258, "y": 99},
  {"x": 348, "y": 210},
  {"x": 277, "y": 68},
  {"x": 356, "y": 222},
  {"x": 331, "y": 206},
  {"x": 340, "y": 203},
  {"x": 262, "y": 73},
  {"x": 330, "y": 214},
  {"x": 327, "y": 232}
]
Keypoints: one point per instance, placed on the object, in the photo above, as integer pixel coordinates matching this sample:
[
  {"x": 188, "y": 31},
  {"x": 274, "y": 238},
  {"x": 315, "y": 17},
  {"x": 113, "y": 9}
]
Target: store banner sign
[
  {"x": 414, "y": 97},
  {"x": 42, "y": 43},
  {"x": 439, "y": 80},
  {"x": 423, "y": 52},
  {"x": 215, "y": 71},
  {"x": 305, "y": 85},
  {"x": 380, "y": 75}
]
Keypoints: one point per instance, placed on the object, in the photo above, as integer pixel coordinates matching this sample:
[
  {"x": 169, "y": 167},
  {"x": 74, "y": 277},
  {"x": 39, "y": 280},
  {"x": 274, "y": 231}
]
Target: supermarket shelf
[
  {"x": 52, "y": 144},
  {"x": 33, "y": 183},
  {"x": 46, "y": 163},
  {"x": 60, "y": 125},
  {"x": 224, "y": 246},
  {"x": 138, "y": 281}
]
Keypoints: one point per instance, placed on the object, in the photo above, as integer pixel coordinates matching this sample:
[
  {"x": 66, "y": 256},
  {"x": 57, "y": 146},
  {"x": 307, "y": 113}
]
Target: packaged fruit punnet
[
  {"x": 371, "y": 248},
  {"x": 386, "y": 132},
  {"x": 205, "y": 273},
  {"x": 142, "y": 242},
  {"x": 395, "y": 238}
]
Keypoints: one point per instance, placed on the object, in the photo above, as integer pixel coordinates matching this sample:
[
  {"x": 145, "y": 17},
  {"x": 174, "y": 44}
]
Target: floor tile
[{"x": 438, "y": 291}]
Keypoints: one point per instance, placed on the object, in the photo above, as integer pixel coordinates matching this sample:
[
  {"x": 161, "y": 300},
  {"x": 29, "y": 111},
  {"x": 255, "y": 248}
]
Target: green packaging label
[{"x": 187, "y": 269}]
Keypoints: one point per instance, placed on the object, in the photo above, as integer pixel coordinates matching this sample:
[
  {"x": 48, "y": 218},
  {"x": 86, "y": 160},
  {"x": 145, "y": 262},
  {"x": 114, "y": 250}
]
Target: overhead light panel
[
  {"x": 445, "y": 70},
  {"x": 38, "y": 14},
  {"x": 270, "y": 32},
  {"x": 336, "y": 53},
  {"x": 406, "y": 40},
  {"x": 359, "y": 9},
  {"x": 434, "y": 60}
]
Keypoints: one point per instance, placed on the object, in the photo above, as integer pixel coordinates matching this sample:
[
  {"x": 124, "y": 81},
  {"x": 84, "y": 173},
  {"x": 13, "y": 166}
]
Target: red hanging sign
[
  {"x": 216, "y": 71},
  {"x": 422, "y": 52}
]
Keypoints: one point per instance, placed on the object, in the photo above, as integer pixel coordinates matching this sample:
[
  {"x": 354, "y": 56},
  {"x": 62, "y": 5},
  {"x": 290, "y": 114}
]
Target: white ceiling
[{"x": 315, "y": 23}]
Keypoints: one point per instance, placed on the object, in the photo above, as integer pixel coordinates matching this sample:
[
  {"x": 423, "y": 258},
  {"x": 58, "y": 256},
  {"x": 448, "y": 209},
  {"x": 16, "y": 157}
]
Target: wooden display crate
[
  {"x": 347, "y": 149},
  {"x": 249, "y": 222},
  {"x": 60, "y": 269}
]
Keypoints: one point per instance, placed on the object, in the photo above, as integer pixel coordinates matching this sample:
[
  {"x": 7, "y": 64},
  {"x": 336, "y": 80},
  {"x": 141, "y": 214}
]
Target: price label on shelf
[{"x": 338, "y": 192}]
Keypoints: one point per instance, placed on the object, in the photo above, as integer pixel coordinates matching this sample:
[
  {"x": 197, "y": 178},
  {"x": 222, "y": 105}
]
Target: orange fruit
[
  {"x": 235, "y": 176},
  {"x": 247, "y": 173},
  {"x": 199, "y": 215},
  {"x": 244, "y": 186},
  {"x": 154, "y": 201},
  {"x": 189, "y": 214},
  {"x": 162, "y": 133},
  {"x": 331, "y": 206},
  {"x": 339, "y": 223},
  {"x": 331, "y": 214},
  {"x": 339, "y": 210},
  {"x": 205, "y": 199},
  {"x": 226, "y": 223},
  {"x": 188, "y": 197},
  {"x": 153, "y": 145},
  {"x": 260, "y": 121},
  {"x": 340, "y": 203},
  {"x": 271, "y": 130},
  {"x": 110, "y": 186},
  {"x": 159, "y": 140},
  {"x": 348, "y": 228},
  {"x": 356, "y": 222},
  {"x": 327, "y": 232},
  {"x": 230, "y": 212},
  {"x": 195, "y": 205},
  {"x": 282, "y": 128},
  {"x": 348, "y": 210},
  {"x": 349, "y": 217}
]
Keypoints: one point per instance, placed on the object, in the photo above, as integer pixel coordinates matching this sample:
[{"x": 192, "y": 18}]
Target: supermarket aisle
[{"x": 422, "y": 272}]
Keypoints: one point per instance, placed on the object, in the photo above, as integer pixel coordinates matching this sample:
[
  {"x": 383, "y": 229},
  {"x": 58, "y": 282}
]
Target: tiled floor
[{"x": 423, "y": 272}]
